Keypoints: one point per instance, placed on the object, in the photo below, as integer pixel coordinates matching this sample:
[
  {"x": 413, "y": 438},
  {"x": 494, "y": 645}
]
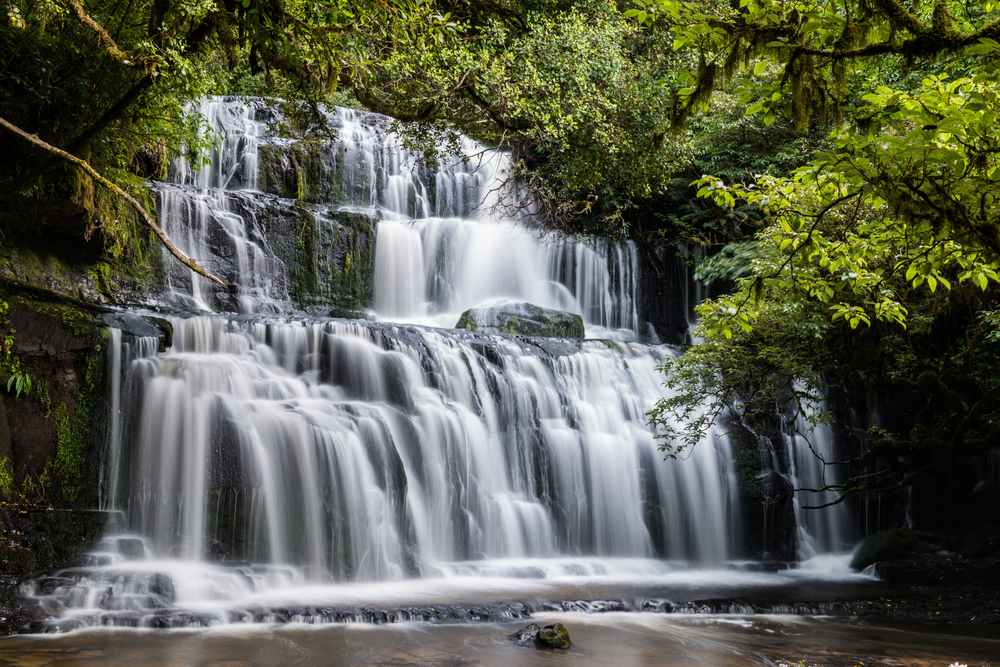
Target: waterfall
[
  {"x": 273, "y": 451},
  {"x": 203, "y": 210},
  {"x": 359, "y": 449},
  {"x": 812, "y": 466},
  {"x": 448, "y": 237},
  {"x": 124, "y": 351},
  {"x": 362, "y": 450}
]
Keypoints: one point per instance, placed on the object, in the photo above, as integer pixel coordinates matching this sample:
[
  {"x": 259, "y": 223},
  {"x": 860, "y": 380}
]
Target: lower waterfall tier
[{"x": 367, "y": 451}]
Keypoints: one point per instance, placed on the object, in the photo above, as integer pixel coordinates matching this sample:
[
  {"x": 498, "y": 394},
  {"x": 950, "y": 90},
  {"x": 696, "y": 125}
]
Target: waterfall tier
[
  {"x": 363, "y": 450},
  {"x": 421, "y": 244}
]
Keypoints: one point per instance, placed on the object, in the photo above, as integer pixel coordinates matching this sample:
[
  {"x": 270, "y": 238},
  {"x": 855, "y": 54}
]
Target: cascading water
[
  {"x": 398, "y": 448},
  {"x": 205, "y": 211},
  {"x": 824, "y": 525},
  {"x": 448, "y": 238},
  {"x": 124, "y": 351},
  {"x": 261, "y": 458}
]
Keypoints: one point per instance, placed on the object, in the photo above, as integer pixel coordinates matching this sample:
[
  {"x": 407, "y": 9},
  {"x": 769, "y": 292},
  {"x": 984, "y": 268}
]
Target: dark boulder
[{"x": 895, "y": 544}]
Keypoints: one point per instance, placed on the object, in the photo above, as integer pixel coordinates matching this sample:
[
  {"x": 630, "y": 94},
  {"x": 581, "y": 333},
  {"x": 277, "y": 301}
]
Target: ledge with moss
[{"x": 519, "y": 318}]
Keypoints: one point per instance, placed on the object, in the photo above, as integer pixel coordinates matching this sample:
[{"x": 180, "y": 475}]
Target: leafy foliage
[
  {"x": 877, "y": 247},
  {"x": 18, "y": 381}
]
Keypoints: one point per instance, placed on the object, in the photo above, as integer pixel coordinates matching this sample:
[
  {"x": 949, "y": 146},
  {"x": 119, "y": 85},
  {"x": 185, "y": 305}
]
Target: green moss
[
  {"x": 101, "y": 274},
  {"x": 553, "y": 637},
  {"x": 6, "y": 477},
  {"x": 301, "y": 187},
  {"x": 80, "y": 321},
  {"x": 75, "y": 429},
  {"x": 304, "y": 279},
  {"x": 71, "y": 441},
  {"x": 333, "y": 263}
]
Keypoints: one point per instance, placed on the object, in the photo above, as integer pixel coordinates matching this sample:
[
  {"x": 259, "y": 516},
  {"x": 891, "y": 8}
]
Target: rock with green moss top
[
  {"x": 519, "y": 318},
  {"x": 553, "y": 636},
  {"x": 330, "y": 258}
]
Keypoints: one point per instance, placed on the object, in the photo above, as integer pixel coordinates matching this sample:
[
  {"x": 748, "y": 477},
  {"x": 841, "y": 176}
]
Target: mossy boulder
[
  {"x": 553, "y": 637},
  {"x": 519, "y": 318},
  {"x": 304, "y": 170}
]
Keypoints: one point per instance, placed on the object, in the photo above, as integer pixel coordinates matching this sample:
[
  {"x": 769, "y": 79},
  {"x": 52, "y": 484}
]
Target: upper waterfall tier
[{"x": 361, "y": 222}]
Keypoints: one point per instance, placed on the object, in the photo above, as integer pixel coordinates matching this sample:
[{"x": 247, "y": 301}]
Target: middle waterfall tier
[
  {"x": 362, "y": 222},
  {"x": 360, "y": 450}
]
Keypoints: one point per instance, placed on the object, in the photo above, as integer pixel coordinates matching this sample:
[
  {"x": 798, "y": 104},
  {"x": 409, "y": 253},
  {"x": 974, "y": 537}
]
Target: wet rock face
[
  {"x": 664, "y": 276},
  {"x": 47, "y": 436},
  {"x": 908, "y": 557},
  {"x": 518, "y": 318}
]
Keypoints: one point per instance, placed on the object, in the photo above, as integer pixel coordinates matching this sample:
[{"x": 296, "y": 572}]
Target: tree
[
  {"x": 875, "y": 270},
  {"x": 104, "y": 88}
]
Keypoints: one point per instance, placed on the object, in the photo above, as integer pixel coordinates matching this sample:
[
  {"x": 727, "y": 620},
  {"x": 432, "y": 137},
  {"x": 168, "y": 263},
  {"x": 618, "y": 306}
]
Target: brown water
[{"x": 620, "y": 639}]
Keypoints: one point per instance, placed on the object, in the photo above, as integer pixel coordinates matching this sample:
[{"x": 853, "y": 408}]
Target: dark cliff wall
[
  {"x": 938, "y": 487},
  {"x": 49, "y": 439},
  {"x": 665, "y": 283}
]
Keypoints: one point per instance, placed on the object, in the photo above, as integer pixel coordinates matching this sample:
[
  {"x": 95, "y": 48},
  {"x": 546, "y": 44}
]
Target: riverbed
[{"x": 622, "y": 639}]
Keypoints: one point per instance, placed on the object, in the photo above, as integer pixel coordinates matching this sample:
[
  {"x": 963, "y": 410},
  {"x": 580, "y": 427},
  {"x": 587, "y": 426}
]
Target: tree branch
[
  {"x": 107, "y": 41},
  {"x": 132, "y": 201}
]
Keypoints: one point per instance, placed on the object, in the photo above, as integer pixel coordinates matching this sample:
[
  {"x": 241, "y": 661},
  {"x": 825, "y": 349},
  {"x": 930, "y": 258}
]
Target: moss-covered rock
[
  {"x": 332, "y": 262},
  {"x": 518, "y": 318},
  {"x": 553, "y": 637},
  {"x": 55, "y": 276}
]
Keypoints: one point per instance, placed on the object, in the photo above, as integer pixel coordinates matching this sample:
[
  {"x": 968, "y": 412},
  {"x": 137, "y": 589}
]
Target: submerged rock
[
  {"x": 526, "y": 635},
  {"x": 519, "y": 318}
]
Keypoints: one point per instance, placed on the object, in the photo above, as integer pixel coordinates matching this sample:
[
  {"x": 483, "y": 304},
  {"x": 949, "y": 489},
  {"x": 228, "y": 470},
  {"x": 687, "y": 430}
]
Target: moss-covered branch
[{"x": 132, "y": 201}]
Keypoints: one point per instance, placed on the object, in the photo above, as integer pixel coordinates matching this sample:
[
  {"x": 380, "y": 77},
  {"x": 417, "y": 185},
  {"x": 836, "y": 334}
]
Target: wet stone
[
  {"x": 553, "y": 637},
  {"x": 526, "y": 635}
]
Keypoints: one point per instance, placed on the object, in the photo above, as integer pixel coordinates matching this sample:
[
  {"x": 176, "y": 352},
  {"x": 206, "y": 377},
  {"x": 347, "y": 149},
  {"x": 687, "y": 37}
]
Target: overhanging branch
[{"x": 132, "y": 201}]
